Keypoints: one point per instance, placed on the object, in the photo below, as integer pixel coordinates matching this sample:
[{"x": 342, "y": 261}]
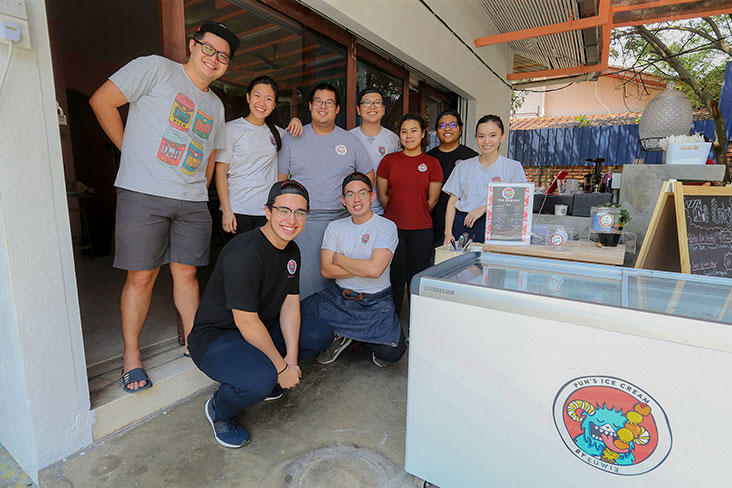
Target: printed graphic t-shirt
[
  {"x": 409, "y": 181},
  {"x": 171, "y": 129},
  {"x": 250, "y": 275}
]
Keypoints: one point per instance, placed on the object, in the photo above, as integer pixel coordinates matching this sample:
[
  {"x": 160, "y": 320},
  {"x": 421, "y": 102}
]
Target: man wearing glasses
[
  {"x": 357, "y": 253},
  {"x": 247, "y": 333},
  {"x": 377, "y": 140},
  {"x": 320, "y": 158},
  {"x": 174, "y": 127}
]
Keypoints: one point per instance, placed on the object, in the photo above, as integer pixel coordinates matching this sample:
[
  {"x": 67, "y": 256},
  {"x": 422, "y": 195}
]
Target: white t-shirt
[
  {"x": 469, "y": 180},
  {"x": 358, "y": 242},
  {"x": 252, "y": 158},
  {"x": 378, "y": 146}
]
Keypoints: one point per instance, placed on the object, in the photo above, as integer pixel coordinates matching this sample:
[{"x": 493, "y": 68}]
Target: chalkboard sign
[
  {"x": 690, "y": 231},
  {"x": 508, "y": 213},
  {"x": 709, "y": 234}
]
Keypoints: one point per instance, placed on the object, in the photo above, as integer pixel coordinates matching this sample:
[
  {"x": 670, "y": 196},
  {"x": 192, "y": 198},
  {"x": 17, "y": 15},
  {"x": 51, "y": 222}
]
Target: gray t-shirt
[
  {"x": 469, "y": 180},
  {"x": 252, "y": 158},
  {"x": 321, "y": 162},
  {"x": 171, "y": 129},
  {"x": 358, "y": 242},
  {"x": 378, "y": 146}
]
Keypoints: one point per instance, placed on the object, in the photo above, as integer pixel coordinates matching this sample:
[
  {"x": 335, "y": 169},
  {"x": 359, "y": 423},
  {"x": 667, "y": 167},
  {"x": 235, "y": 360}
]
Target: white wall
[
  {"x": 44, "y": 398},
  {"x": 408, "y": 31}
]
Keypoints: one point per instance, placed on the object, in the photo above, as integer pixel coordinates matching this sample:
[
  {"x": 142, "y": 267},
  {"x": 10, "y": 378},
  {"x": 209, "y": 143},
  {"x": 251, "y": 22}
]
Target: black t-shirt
[
  {"x": 250, "y": 275},
  {"x": 447, "y": 161}
]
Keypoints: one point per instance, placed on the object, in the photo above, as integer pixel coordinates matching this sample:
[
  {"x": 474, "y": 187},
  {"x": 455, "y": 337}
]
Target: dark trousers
[
  {"x": 476, "y": 232},
  {"x": 244, "y": 223},
  {"x": 412, "y": 255},
  {"x": 389, "y": 353},
  {"x": 246, "y": 374}
]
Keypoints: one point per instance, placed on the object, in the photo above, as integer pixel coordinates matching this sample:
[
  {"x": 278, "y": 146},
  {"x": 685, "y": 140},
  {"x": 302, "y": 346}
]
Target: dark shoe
[
  {"x": 276, "y": 394},
  {"x": 380, "y": 362},
  {"x": 133, "y": 375},
  {"x": 228, "y": 433},
  {"x": 339, "y": 345}
]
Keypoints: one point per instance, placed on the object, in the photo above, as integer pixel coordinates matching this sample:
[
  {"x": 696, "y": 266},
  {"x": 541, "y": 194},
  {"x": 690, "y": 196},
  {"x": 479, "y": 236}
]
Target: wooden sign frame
[{"x": 667, "y": 235}]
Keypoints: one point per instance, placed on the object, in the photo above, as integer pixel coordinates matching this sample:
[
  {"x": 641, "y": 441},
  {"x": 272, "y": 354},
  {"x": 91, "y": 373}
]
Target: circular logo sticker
[
  {"x": 341, "y": 149},
  {"x": 382, "y": 150},
  {"x": 496, "y": 179},
  {"x": 422, "y": 168},
  {"x": 272, "y": 140},
  {"x": 612, "y": 425},
  {"x": 291, "y": 266},
  {"x": 364, "y": 238},
  {"x": 558, "y": 239},
  {"x": 606, "y": 220},
  {"x": 508, "y": 193}
]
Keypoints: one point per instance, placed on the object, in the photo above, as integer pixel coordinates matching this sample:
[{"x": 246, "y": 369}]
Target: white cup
[{"x": 560, "y": 209}]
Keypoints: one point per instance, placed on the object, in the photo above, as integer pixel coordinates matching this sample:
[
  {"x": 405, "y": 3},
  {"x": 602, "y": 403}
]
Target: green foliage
[
  {"x": 582, "y": 121},
  {"x": 624, "y": 214},
  {"x": 517, "y": 99}
]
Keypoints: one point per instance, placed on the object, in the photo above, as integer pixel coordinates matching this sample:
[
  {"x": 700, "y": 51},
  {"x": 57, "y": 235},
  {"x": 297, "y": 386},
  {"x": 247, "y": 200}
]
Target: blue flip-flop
[{"x": 137, "y": 374}]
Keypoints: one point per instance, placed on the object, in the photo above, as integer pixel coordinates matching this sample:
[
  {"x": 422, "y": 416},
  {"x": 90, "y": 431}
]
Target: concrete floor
[{"x": 343, "y": 426}]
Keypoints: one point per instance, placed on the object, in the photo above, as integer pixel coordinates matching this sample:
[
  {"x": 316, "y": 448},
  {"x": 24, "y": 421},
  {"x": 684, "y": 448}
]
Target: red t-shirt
[{"x": 409, "y": 181}]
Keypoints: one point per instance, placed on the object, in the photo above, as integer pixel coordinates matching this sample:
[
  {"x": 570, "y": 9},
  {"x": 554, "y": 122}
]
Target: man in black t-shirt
[
  {"x": 450, "y": 152},
  {"x": 247, "y": 334}
]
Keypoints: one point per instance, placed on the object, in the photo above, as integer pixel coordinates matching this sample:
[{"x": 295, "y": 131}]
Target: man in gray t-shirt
[
  {"x": 377, "y": 140},
  {"x": 357, "y": 252},
  {"x": 319, "y": 159},
  {"x": 168, "y": 144}
]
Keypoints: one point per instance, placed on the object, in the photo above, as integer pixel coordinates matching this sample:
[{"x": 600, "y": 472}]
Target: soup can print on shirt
[
  {"x": 203, "y": 125},
  {"x": 612, "y": 425},
  {"x": 181, "y": 115},
  {"x": 172, "y": 147},
  {"x": 193, "y": 158}
]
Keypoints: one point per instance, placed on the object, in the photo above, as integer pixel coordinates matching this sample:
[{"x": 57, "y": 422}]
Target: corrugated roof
[{"x": 553, "y": 122}]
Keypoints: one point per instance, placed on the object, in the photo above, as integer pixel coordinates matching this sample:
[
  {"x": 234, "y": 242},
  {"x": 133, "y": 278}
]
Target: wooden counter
[{"x": 583, "y": 251}]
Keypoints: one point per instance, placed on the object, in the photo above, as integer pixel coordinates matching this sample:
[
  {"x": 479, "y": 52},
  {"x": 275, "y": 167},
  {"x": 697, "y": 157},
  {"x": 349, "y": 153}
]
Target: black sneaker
[
  {"x": 228, "y": 433},
  {"x": 339, "y": 345},
  {"x": 276, "y": 394}
]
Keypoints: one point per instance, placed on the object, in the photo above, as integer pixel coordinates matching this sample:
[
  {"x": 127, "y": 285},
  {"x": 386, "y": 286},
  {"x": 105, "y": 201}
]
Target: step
[{"x": 174, "y": 378}]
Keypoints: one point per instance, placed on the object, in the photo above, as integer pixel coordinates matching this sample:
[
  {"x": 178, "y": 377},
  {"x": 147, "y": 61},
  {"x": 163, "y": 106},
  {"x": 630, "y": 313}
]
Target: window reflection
[{"x": 391, "y": 87}]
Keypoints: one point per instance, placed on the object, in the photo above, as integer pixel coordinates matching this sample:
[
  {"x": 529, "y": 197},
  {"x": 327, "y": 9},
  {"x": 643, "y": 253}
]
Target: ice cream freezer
[{"x": 527, "y": 372}]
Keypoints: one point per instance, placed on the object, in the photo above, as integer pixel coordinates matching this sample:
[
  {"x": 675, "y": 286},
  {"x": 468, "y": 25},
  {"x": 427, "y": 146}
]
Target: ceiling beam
[{"x": 703, "y": 8}]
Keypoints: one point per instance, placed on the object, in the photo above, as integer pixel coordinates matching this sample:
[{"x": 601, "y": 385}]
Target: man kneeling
[
  {"x": 357, "y": 252},
  {"x": 247, "y": 333}
]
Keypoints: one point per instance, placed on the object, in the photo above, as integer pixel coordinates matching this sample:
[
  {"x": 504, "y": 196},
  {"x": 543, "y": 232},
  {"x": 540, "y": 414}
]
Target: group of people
[{"x": 330, "y": 225}]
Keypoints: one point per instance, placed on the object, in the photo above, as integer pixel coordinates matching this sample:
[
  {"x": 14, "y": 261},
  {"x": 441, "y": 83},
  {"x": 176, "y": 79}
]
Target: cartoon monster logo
[
  {"x": 272, "y": 140},
  {"x": 382, "y": 150},
  {"x": 422, "y": 168},
  {"x": 341, "y": 150},
  {"x": 508, "y": 193},
  {"x": 291, "y": 266},
  {"x": 364, "y": 238},
  {"x": 612, "y": 425}
]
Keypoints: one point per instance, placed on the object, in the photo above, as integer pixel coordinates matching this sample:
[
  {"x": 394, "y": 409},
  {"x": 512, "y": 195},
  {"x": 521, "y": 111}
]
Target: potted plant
[{"x": 610, "y": 239}]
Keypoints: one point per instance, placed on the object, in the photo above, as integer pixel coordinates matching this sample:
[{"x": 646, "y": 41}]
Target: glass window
[
  {"x": 296, "y": 58},
  {"x": 391, "y": 87}
]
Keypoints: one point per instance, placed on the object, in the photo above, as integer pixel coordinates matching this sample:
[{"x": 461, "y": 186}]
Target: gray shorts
[{"x": 152, "y": 231}]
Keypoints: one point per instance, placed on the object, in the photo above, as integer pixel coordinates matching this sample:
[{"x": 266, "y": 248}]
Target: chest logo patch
[
  {"x": 364, "y": 238},
  {"x": 497, "y": 179},
  {"x": 382, "y": 150},
  {"x": 272, "y": 140},
  {"x": 291, "y": 266},
  {"x": 341, "y": 150},
  {"x": 422, "y": 168}
]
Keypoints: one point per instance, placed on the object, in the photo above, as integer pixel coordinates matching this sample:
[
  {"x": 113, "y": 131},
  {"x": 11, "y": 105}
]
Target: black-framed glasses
[
  {"x": 285, "y": 212},
  {"x": 328, "y": 103},
  {"x": 209, "y": 50},
  {"x": 362, "y": 194},
  {"x": 445, "y": 125},
  {"x": 369, "y": 103}
]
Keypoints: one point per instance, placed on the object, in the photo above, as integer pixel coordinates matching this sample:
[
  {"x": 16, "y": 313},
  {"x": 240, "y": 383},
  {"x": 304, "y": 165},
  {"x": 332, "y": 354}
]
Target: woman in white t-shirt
[
  {"x": 247, "y": 168},
  {"x": 468, "y": 183}
]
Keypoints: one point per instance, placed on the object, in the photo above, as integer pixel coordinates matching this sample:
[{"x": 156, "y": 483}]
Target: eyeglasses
[
  {"x": 209, "y": 50},
  {"x": 349, "y": 195},
  {"x": 285, "y": 212},
  {"x": 445, "y": 125},
  {"x": 328, "y": 103},
  {"x": 369, "y": 104}
]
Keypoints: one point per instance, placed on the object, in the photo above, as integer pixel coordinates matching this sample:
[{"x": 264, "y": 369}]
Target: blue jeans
[{"x": 246, "y": 374}]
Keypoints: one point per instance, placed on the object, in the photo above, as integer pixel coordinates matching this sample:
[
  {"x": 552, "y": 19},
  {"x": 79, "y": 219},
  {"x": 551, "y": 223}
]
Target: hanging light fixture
[{"x": 667, "y": 114}]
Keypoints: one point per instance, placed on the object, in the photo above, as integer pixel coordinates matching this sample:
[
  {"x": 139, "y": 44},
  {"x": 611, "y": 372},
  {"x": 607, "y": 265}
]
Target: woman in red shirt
[{"x": 408, "y": 184}]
